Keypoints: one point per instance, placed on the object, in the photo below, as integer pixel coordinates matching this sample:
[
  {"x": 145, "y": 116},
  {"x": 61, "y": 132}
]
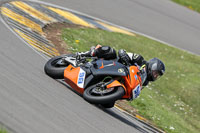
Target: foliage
[{"x": 191, "y": 4}]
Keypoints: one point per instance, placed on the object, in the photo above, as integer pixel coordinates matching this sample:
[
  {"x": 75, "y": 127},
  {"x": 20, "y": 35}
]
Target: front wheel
[
  {"x": 97, "y": 95},
  {"x": 55, "y": 67}
]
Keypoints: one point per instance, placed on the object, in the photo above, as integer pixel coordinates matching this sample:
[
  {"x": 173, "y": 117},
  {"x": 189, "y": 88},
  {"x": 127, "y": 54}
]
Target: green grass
[
  {"x": 2, "y": 130},
  {"x": 172, "y": 102},
  {"x": 192, "y": 4}
]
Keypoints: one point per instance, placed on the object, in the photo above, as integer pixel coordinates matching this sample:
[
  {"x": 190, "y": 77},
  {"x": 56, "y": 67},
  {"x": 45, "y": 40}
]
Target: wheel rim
[{"x": 99, "y": 91}]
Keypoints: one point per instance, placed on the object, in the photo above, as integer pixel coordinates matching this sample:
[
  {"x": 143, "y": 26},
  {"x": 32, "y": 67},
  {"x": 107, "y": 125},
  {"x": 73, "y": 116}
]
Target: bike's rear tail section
[{"x": 75, "y": 77}]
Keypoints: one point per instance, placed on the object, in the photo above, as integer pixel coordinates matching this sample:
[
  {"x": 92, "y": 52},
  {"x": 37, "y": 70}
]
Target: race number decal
[
  {"x": 136, "y": 91},
  {"x": 81, "y": 78}
]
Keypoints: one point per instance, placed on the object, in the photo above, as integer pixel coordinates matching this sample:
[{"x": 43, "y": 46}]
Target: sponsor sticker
[
  {"x": 81, "y": 78},
  {"x": 121, "y": 70},
  {"x": 136, "y": 91},
  {"x": 133, "y": 71},
  {"x": 136, "y": 77}
]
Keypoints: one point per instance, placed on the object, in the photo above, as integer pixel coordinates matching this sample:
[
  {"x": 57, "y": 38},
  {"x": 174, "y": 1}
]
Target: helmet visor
[{"x": 155, "y": 74}]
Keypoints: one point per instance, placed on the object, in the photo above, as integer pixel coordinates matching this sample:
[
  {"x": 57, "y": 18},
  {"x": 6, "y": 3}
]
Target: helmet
[{"x": 156, "y": 68}]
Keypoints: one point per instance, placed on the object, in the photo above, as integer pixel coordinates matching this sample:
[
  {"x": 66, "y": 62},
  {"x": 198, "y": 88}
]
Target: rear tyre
[
  {"x": 95, "y": 95},
  {"x": 55, "y": 70}
]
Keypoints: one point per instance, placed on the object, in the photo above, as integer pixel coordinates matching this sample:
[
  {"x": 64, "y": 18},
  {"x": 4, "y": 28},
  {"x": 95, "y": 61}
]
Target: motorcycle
[{"x": 99, "y": 81}]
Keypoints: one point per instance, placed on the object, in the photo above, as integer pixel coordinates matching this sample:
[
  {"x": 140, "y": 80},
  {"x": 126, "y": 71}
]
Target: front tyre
[
  {"x": 55, "y": 70},
  {"x": 96, "y": 95}
]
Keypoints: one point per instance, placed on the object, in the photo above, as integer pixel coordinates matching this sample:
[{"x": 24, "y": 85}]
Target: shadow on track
[
  {"x": 110, "y": 112},
  {"x": 122, "y": 119}
]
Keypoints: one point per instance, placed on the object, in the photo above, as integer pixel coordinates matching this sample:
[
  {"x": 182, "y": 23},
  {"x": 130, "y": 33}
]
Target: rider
[{"x": 150, "y": 70}]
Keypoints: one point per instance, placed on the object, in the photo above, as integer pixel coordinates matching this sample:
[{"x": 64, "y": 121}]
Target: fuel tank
[{"x": 108, "y": 67}]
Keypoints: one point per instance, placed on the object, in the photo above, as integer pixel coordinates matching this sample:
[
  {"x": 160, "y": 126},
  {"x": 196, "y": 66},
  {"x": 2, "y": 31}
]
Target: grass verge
[
  {"x": 172, "y": 102},
  {"x": 191, "y": 4},
  {"x": 2, "y": 130}
]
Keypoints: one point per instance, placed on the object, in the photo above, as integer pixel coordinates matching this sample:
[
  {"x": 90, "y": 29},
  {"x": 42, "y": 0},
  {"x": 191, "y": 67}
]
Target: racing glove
[
  {"x": 136, "y": 58},
  {"x": 123, "y": 57}
]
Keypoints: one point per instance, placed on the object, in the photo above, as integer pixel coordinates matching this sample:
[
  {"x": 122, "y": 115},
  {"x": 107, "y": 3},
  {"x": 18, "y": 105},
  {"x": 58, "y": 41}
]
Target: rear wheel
[
  {"x": 55, "y": 67},
  {"x": 103, "y": 96}
]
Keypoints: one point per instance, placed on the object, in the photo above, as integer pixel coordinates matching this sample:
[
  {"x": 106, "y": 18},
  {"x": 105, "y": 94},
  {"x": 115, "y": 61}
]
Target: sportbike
[{"x": 99, "y": 81}]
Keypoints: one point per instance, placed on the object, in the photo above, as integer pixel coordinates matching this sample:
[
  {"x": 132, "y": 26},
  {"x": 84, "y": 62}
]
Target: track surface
[
  {"x": 161, "y": 19},
  {"x": 32, "y": 102}
]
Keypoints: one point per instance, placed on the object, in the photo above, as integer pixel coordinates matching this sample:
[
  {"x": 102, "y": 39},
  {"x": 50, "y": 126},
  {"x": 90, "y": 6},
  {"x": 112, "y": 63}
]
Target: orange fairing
[
  {"x": 131, "y": 81},
  {"x": 71, "y": 75},
  {"x": 115, "y": 84}
]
